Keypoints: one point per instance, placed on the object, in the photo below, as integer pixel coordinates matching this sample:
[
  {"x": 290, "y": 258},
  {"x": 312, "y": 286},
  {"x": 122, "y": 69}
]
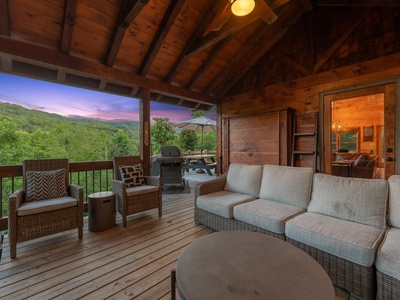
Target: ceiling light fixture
[{"x": 242, "y": 7}]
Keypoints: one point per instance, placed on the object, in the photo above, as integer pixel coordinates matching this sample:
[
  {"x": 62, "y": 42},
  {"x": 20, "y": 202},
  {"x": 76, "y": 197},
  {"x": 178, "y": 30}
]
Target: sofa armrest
[{"x": 211, "y": 186}]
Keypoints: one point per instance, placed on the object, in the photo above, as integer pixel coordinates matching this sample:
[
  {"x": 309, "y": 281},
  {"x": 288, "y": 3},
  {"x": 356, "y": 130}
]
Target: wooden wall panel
[{"x": 259, "y": 138}]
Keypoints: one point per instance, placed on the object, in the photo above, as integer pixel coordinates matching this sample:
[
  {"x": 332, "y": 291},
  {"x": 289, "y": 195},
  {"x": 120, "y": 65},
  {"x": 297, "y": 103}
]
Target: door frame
[{"x": 392, "y": 104}]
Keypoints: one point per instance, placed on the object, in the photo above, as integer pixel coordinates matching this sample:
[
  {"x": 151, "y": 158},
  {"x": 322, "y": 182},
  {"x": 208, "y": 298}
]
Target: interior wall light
[{"x": 242, "y": 7}]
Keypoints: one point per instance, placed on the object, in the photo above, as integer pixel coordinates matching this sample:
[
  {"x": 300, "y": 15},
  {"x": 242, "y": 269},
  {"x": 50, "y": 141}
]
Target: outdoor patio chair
[
  {"x": 47, "y": 203},
  {"x": 134, "y": 192}
]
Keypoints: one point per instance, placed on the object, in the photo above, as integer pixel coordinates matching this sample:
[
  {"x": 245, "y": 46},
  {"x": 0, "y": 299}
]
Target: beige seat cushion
[
  {"x": 221, "y": 203},
  {"x": 266, "y": 214},
  {"x": 141, "y": 190},
  {"x": 352, "y": 241},
  {"x": 35, "y": 207}
]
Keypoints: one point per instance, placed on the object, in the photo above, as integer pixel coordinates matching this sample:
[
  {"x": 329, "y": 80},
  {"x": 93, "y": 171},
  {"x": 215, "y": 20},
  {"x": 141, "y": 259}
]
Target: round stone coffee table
[{"x": 248, "y": 265}]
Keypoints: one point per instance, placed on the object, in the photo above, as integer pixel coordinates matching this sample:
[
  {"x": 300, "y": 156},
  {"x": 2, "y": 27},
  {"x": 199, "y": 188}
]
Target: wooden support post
[{"x": 145, "y": 130}]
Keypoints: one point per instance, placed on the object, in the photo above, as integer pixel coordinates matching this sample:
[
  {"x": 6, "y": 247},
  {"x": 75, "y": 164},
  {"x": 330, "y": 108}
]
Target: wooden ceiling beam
[
  {"x": 287, "y": 17},
  {"x": 208, "y": 62},
  {"x": 201, "y": 28},
  {"x": 159, "y": 38},
  {"x": 265, "y": 12},
  {"x": 247, "y": 46},
  {"x": 51, "y": 59},
  {"x": 4, "y": 18},
  {"x": 129, "y": 11},
  {"x": 68, "y": 25}
]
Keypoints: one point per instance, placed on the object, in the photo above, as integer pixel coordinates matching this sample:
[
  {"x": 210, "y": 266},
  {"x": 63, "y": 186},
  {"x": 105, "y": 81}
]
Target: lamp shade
[{"x": 242, "y": 7}]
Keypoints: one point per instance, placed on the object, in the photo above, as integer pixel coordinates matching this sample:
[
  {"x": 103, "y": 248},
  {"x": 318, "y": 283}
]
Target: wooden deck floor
[{"x": 120, "y": 263}]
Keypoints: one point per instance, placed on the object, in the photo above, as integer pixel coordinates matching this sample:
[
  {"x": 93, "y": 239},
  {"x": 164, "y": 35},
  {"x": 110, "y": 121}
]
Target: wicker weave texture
[
  {"x": 360, "y": 281},
  {"x": 388, "y": 287},
  {"x": 37, "y": 225}
]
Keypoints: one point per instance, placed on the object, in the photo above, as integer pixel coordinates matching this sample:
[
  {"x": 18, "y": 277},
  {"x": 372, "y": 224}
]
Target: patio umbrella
[{"x": 201, "y": 123}]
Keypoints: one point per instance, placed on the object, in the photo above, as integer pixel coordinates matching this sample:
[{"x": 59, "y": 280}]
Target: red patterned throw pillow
[
  {"x": 41, "y": 185},
  {"x": 132, "y": 175}
]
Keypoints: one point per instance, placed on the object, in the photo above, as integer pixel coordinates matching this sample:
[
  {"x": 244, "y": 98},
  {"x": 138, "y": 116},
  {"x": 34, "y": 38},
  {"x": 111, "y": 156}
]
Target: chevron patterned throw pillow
[
  {"x": 132, "y": 175},
  {"x": 41, "y": 185}
]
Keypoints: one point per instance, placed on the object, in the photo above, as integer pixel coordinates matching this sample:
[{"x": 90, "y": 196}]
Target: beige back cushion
[
  {"x": 289, "y": 185},
  {"x": 394, "y": 200},
  {"x": 244, "y": 179},
  {"x": 353, "y": 199}
]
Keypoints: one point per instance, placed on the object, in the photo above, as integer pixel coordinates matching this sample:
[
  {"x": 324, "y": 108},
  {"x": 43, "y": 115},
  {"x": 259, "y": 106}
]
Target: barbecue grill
[{"x": 171, "y": 166}]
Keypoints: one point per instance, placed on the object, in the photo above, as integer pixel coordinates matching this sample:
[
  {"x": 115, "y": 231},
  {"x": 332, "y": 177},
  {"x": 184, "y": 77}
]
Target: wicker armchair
[
  {"x": 131, "y": 200},
  {"x": 47, "y": 203}
]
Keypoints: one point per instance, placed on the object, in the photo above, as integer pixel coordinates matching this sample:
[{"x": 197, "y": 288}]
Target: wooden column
[{"x": 145, "y": 130}]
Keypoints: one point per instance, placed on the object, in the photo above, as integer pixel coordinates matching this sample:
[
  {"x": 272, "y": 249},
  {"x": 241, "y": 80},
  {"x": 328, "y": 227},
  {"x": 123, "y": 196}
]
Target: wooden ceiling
[{"x": 186, "y": 52}]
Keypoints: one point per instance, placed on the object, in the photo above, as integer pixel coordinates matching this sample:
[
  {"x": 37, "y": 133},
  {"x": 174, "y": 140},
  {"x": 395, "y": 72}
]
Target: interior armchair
[
  {"x": 47, "y": 203},
  {"x": 134, "y": 192}
]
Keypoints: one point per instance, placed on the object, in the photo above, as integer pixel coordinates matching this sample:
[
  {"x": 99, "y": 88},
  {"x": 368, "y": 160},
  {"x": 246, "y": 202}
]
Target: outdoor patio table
[
  {"x": 200, "y": 162},
  {"x": 249, "y": 265}
]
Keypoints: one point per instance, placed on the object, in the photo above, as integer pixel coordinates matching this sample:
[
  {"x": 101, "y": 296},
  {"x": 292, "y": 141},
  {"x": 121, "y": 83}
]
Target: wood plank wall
[
  {"x": 368, "y": 55},
  {"x": 259, "y": 138}
]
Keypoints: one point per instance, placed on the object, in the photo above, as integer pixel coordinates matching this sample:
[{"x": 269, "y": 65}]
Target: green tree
[
  {"x": 120, "y": 145},
  {"x": 162, "y": 133},
  {"x": 188, "y": 140},
  {"x": 209, "y": 140},
  {"x": 14, "y": 146}
]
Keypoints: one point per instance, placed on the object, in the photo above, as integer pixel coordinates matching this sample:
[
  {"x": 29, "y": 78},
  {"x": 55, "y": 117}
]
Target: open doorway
[
  {"x": 356, "y": 149},
  {"x": 359, "y": 132}
]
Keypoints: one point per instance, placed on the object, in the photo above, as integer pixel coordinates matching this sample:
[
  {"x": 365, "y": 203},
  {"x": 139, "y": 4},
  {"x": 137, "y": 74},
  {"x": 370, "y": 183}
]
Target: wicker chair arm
[
  {"x": 76, "y": 192},
  {"x": 118, "y": 187},
  {"x": 211, "y": 186},
  {"x": 14, "y": 201},
  {"x": 152, "y": 180}
]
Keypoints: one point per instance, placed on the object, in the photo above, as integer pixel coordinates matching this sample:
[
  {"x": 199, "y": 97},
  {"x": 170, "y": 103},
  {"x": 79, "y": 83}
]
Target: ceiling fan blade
[{"x": 265, "y": 12}]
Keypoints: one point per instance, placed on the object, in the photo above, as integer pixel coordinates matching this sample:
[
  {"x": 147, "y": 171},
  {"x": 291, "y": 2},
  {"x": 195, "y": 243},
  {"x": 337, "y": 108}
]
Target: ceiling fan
[{"x": 243, "y": 8}]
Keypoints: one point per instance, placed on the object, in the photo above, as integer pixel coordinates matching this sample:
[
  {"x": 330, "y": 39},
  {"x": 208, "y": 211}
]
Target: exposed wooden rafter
[
  {"x": 129, "y": 12},
  {"x": 251, "y": 41},
  {"x": 4, "y": 18},
  {"x": 68, "y": 25},
  {"x": 158, "y": 40},
  {"x": 201, "y": 28},
  {"x": 208, "y": 62},
  {"x": 290, "y": 62}
]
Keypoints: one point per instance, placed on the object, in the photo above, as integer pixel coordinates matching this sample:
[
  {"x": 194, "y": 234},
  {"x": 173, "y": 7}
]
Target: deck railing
[{"x": 95, "y": 176}]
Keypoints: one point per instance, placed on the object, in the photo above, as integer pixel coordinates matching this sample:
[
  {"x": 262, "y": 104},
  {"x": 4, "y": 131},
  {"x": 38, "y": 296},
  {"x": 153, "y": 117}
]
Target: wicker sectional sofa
[{"x": 339, "y": 221}]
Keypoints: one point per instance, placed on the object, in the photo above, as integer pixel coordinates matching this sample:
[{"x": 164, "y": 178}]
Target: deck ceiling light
[{"x": 242, "y": 7}]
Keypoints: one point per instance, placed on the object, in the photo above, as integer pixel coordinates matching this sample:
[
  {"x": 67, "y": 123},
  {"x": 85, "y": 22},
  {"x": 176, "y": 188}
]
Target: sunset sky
[{"x": 72, "y": 102}]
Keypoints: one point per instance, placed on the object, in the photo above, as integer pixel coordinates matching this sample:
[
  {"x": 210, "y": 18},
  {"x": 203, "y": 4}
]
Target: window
[{"x": 346, "y": 139}]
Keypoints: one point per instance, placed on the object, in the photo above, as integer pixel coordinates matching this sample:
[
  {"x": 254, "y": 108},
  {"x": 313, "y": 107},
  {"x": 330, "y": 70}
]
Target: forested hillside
[{"x": 28, "y": 133}]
